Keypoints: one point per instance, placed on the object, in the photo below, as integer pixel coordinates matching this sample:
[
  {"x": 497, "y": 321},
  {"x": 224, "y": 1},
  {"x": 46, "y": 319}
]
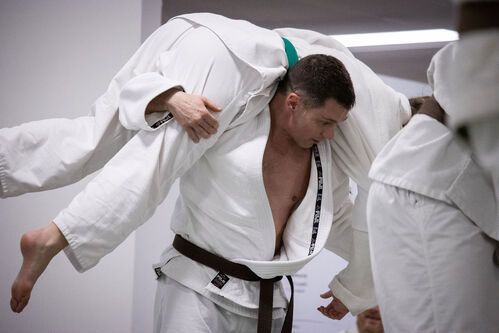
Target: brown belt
[{"x": 242, "y": 272}]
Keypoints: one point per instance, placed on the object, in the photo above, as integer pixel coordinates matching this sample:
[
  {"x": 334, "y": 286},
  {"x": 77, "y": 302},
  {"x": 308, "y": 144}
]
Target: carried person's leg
[{"x": 47, "y": 154}]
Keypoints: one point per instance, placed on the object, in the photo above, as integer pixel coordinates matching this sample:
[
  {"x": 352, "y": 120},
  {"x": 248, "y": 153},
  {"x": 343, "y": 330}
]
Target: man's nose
[{"x": 328, "y": 133}]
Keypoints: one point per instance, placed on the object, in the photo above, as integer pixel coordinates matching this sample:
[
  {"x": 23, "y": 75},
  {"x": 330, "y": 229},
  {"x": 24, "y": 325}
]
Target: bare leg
[{"x": 38, "y": 248}]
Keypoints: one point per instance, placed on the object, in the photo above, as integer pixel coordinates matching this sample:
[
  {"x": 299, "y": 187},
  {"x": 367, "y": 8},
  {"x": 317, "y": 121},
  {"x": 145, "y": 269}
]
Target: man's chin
[{"x": 307, "y": 145}]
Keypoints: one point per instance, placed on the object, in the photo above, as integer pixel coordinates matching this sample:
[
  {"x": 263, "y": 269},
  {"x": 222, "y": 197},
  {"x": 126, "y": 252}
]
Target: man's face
[{"x": 312, "y": 125}]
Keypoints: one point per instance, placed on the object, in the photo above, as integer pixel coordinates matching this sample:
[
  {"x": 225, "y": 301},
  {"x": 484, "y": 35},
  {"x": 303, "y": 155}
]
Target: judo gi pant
[
  {"x": 433, "y": 268},
  {"x": 179, "y": 309}
]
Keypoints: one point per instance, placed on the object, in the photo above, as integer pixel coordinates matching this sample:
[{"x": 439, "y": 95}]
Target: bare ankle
[{"x": 55, "y": 239}]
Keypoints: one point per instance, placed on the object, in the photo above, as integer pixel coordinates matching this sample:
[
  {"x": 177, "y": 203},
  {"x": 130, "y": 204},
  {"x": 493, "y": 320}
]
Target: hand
[
  {"x": 192, "y": 112},
  {"x": 430, "y": 107},
  {"x": 334, "y": 310},
  {"x": 369, "y": 321}
]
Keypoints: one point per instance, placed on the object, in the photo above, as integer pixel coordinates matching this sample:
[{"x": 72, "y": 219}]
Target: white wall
[
  {"x": 56, "y": 58},
  {"x": 407, "y": 87}
]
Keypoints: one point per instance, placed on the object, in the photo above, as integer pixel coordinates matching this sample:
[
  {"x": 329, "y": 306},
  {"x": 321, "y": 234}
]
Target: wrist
[
  {"x": 168, "y": 95},
  {"x": 162, "y": 101}
]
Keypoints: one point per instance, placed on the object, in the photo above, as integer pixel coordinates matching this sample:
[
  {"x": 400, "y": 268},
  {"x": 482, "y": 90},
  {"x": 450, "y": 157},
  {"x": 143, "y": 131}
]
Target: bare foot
[{"x": 38, "y": 248}]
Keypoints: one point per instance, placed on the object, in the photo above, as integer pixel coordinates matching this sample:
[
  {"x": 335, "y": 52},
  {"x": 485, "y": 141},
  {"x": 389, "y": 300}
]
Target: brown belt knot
[{"x": 265, "y": 304}]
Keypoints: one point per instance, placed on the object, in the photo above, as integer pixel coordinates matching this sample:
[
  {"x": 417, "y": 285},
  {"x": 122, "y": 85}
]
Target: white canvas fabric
[{"x": 433, "y": 267}]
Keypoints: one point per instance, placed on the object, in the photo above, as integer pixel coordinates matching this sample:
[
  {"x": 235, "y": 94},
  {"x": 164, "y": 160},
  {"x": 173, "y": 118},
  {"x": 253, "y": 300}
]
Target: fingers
[
  {"x": 334, "y": 310},
  {"x": 13, "y": 304},
  {"x": 331, "y": 313},
  {"x": 192, "y": 134},
  {"x": 210, "y": 105},
  {"x": 204, "y": 127},
  {"x": 202, "y": 131},
  {"x": 192, "y": 112},
  {"x": 210, "y": 122}
]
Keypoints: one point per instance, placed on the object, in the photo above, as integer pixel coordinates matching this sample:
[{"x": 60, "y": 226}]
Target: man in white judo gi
[
  {"x": 130, "y": 194},
  {"x": 466, "y": 75},
  {"x": 433, "y": 232},
  {"x": 433, "y": 212}
]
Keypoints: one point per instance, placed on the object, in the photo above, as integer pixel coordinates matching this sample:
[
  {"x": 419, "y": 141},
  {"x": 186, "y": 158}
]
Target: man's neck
[{"x": 279, "y": 136}]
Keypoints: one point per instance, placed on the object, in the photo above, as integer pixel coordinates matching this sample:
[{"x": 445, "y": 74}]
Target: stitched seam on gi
[
  {"x": 318, "y": 200},
  {"x": 422, "y": 205},
  {"x": 3, "y": 176},
  {"x": 72, "y": 250}
]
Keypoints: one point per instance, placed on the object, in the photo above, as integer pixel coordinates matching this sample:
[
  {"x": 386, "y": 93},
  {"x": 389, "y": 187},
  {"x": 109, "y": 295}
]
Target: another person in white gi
[
  {"x": 433, "y": 232},
  {"x": 466, "y": 75},
  {"x": 120, "y": 201}
]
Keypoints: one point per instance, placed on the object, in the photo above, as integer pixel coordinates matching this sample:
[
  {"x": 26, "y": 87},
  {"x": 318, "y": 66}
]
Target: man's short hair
[{"x": 319, "y": 77}]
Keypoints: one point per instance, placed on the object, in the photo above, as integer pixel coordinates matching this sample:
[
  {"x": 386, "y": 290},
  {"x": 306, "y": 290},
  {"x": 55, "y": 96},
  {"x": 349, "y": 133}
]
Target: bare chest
[{"x": 286, "y": 178}]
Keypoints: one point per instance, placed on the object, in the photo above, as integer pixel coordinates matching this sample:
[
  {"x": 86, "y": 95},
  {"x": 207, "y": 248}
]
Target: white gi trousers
[
  {"x": 433, "y": 268},
  {"x": 178, "y": 309}
]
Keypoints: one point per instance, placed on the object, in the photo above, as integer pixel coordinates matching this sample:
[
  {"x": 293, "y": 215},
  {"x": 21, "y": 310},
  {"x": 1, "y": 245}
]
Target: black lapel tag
[
  {"x": 158, "y": 272},
  {"x": 220, "y": 280}
]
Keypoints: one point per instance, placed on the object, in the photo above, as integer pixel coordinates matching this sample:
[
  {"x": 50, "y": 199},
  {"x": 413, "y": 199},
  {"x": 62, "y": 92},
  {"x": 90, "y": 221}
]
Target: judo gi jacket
[{"x": 427, "y": 159}]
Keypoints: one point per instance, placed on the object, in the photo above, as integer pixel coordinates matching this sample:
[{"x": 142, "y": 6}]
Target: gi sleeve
[
  {"x": 354, "y": 285},
  {"x": 48, "y": 154},
  {"x": 136, "y": 95}
]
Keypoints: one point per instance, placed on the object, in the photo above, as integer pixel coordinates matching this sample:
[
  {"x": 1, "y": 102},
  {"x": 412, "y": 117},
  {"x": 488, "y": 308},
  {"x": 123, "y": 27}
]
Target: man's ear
[{"x": 292, "y": 101}]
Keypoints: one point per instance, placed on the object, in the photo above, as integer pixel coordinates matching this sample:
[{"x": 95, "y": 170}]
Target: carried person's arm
[{"x": 149, "y": 101}]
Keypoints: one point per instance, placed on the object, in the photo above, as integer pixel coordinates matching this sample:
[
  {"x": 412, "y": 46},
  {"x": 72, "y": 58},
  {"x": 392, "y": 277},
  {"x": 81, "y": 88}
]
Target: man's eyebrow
[{"x": 328, "y": 119}]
